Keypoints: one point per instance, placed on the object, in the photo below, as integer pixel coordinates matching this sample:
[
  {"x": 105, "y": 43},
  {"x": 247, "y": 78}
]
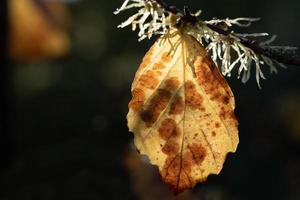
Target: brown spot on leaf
[
  {"x": 177, "y": 106},
  {"x": 172, "y": 83},
  {"x": 175, "y": 174},
  {"x": 227, "y": 114},
  {"x": 176, "y": 169},
  {"x": 225, "y": 99},
  {"x": 195, "y": 135},
  {"x": 216, "y": 96},
  {"x": 202, "y": 109},
  {"x": 167, "y": 128},
  {"x": 217, "y": 125},
  {"x": 198, "y": 151},
  {"x": 158, "y": 65},
  {"x": 204, "y": 70},
  {"x": 170, "y": 171},
  {"x": 171, "y": 147},
  {"x": 157, "y": 104},
  {"x": 222, "y": 114},
  {"x": 231, "y": 115},
  {"x": 149, "y": 80},
  {"x": 138, "y": 98},
  {"x": 166, "y": 57},
  {"x": 213, "y": 133},
  {"x": 214, "y": 84},
  {"x": 192, "y": 97},
  {"x": 210, "y": 77},
  {"x": 219, "y": 78},
  {"x": 206, "y": 78},
  {"x": 184, "y": 182},
  {"x": 188, "y": 161}
]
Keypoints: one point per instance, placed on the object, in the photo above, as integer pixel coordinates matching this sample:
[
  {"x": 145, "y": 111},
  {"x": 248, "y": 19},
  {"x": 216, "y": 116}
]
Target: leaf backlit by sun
[{"x": 182, "y": 111}]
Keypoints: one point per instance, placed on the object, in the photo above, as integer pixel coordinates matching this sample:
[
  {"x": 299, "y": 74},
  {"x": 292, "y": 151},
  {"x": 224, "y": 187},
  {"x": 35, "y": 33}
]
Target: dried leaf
[{"x": 182, "y": 111}]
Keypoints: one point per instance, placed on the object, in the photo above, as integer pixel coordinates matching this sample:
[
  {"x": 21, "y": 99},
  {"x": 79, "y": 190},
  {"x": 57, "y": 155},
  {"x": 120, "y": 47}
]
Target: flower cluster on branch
[{"x": 228, "y": 49}]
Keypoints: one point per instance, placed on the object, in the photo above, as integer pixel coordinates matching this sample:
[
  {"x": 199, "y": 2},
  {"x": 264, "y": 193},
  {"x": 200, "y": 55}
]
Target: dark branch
[
  {"x": 168, "y": 8},
  {"x": 295, "y": 61},
  {"x": 251, "y": 44}
]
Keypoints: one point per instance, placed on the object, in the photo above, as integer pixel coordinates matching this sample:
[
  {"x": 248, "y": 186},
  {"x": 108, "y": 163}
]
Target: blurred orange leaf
[
  {"x": 182, "y": 111},
  {"x": 37, "y": 31}
]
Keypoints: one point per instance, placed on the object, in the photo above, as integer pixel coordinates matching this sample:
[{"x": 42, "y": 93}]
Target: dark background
[{"x": 63, "y": 126}]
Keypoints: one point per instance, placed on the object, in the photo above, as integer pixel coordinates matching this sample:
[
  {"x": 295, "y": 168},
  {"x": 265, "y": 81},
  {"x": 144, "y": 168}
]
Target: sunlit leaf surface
[{"x": 182, "y": 111}]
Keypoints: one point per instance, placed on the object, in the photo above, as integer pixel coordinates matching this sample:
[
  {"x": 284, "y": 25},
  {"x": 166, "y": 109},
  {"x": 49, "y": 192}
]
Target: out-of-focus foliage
[
  {"x": 289, "y": 113},
  {"x": 38, "y": 30}
]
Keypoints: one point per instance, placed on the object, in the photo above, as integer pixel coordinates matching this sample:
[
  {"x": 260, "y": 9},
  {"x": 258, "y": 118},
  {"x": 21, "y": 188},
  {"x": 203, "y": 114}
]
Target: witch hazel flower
[
  {"x": 228, "y": 49},
  {"x": 150, "y": 18}
]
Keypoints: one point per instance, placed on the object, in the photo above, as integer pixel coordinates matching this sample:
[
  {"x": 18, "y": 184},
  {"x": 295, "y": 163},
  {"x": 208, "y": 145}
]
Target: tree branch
[
  {"x": 168, "y": 8},
  {"x": 251, "y": 44}
]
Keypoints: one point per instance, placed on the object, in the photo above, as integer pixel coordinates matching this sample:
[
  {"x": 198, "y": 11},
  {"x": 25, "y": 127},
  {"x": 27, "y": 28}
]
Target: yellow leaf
[
  {"x": 36, "y": 34},
  {"x": 182, "y": 111}
]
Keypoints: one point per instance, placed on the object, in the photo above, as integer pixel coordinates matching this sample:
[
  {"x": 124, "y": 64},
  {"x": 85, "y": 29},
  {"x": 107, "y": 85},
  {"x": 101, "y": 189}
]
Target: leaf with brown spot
[{"x": 182, "y": 117}]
